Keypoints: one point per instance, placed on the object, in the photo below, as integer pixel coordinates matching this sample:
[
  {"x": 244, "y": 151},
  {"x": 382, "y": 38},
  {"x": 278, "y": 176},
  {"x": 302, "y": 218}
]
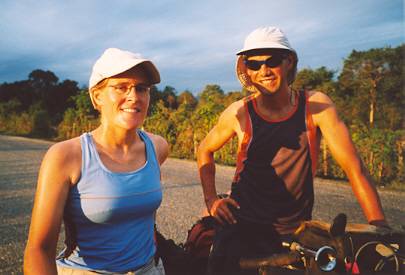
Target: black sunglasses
[{"x": 271, "y": 62}]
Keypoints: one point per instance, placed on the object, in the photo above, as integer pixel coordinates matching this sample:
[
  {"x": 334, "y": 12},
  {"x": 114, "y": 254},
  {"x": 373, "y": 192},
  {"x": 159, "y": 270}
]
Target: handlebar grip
[{"x": 276, "y": 260}]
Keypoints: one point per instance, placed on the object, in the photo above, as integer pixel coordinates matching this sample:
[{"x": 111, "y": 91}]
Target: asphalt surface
[{"x": 182, "y": 203}]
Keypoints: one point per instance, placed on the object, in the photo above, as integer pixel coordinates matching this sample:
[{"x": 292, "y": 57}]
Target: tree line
[{"x": 369, "y": 94}]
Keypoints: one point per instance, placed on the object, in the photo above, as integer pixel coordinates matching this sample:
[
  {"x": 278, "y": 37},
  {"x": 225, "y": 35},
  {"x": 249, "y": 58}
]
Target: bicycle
[{"x": 337, "y": 248}]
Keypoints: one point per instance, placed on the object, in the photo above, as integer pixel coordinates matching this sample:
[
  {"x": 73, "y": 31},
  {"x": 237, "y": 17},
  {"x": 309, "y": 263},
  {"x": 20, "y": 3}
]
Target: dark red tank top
[{"x": 276, "y": 163}]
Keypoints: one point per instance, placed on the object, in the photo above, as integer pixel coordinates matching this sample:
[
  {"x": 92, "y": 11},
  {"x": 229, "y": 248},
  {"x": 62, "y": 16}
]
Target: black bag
[
  {"x": 192, "y": 257},
  {"x": 175, "y": 259},
  {"x": 199, "y": 242}
]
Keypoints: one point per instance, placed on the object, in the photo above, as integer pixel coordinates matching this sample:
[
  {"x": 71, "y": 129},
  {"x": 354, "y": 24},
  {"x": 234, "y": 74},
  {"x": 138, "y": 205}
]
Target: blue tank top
[{"x": 112, "y": 214}]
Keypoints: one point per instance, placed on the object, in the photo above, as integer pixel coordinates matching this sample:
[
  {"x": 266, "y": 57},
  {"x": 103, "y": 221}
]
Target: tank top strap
[
  {"x": 300, "y": 112},
  {"x": 253, "y": 116},
  {"x": 151, "y": 154},
  {"x": 88, "y": 152}
]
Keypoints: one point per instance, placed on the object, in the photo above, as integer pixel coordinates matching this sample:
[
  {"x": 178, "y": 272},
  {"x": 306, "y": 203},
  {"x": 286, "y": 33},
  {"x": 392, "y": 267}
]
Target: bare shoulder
[
  {"x": 322, "y": 108},
  {"x": 233, "y": 119},
  {"x": 318, "y": 97},
  {"x": 157, "y": 140},
  {"x": 233, "y": 114},
  {"x": 236, "y": 108},
  {"x": 65, "y": 157},
  {"x": 161, "y": 146},
  {"x": 66, "y": 149},
  {"x": 319, "y": 102}
]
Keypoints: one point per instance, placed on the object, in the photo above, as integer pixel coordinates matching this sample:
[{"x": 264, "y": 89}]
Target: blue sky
[{"x": 193, "y": 43}]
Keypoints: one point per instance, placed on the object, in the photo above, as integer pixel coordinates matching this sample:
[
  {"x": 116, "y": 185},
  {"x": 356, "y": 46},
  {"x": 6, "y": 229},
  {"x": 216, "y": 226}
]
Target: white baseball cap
[
  {"x": 266, "y": 38},
  {"x": 115, "y": 61}
]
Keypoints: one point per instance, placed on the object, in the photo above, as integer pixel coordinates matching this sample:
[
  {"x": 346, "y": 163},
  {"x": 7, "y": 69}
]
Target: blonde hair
[{"x": 101, "y": 85}]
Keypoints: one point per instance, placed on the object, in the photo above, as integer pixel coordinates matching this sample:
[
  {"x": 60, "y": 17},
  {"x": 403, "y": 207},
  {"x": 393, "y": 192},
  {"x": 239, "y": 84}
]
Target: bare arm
[
  {"x": 55, "y": 178},
  {"x": 343, "y": 150},
  {"x": 222, "y": 132}
]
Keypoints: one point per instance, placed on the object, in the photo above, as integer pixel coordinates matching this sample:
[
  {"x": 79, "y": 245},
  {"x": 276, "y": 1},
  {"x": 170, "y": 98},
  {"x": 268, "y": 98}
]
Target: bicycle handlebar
[
  {"x": 325, "y": 257},
  {"x": 275, "y": 260}
]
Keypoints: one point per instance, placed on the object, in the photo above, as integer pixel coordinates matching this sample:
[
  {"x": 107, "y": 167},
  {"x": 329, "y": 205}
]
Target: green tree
[
  {"x": 42, "y": 84},
  {"x": 18, "y": 91},
  {"x": 186, "y": 97},
  {"x": 41, "y": 124},
  {"x": 209, "y": 107},
  {"x": 41, "y": 98},
  {"x": 378, "y": 146},
  {"x": 374, "y": 78},
  {"x": 80, "y": 118},
  {"x": 83, "y": 105},
  {"x": 211, "y": 94},
  {"x": 169, "y": 97},
  {"x": 61, "y": 98},
  {"x": 41, "y": 80},
  {"x": 159, "y": 122},
  {"x": 155, "y": 96},
  {"x": 308, "y": 79},
  {"x": 232, "y": 97},
  {"x": 185, "y": 143}
]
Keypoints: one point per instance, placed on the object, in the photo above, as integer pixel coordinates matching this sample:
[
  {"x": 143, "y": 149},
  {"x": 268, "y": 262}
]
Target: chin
[
  {"x": 129, "y": 125},
  {"x": 268, "y": 90}
]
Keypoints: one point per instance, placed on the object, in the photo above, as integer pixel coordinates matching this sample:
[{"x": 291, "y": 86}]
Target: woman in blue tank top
[{"x": 105, "y": 184}]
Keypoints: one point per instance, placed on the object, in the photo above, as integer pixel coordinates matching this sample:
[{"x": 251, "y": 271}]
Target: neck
[
  {"x": 115, "y": 138},
  {"x": 278, "y": 101}
]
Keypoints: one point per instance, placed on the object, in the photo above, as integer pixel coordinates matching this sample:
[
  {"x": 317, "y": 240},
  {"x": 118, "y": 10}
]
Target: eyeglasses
[
  {"x": 271, "y": 62},
  {"x": 126, "y": 89}
]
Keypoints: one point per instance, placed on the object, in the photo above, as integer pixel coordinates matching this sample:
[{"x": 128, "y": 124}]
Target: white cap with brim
[
  {"x": 115, "y": 61},
  {"x": 266, "y": 38}
]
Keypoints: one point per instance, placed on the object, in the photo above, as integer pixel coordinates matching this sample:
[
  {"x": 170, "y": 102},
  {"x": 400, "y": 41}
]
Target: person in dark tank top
[
  {"x": 278, "y": 131},
  {"x": 105, "y": 185}
]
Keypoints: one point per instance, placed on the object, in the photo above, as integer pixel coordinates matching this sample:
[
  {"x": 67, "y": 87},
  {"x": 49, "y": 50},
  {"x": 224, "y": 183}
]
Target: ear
[
  {"x": 96, "y": 100},
  {"x": 290, "y": 61}
]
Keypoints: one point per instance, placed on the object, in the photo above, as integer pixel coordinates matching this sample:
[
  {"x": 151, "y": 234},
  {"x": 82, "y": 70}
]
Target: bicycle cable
[{"x": 384, "y": 257}]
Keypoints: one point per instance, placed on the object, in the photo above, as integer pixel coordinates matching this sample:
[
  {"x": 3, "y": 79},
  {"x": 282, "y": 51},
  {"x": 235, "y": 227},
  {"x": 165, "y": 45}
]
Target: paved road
[{"x": 181, "y": 207}]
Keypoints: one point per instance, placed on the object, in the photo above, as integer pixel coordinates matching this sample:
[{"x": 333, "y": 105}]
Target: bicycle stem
[{"x": 325, "y": 256}]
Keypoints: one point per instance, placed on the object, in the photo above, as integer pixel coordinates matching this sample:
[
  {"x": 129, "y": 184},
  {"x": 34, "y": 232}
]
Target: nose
[
  {"x": 264, "y": 69},
  {"x": 131, "y": 93}
]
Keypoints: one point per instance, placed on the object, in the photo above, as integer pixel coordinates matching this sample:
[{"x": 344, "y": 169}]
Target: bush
[
  {"x": 74, "y": 124},
  {"x": 41, "y": 124},
  {"x": 381, "y": 150}
]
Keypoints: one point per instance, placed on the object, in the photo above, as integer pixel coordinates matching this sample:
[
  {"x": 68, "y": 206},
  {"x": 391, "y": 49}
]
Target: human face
[
  {"x": 269, "y": 74},
  {"x": 125, "y": 100}
]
